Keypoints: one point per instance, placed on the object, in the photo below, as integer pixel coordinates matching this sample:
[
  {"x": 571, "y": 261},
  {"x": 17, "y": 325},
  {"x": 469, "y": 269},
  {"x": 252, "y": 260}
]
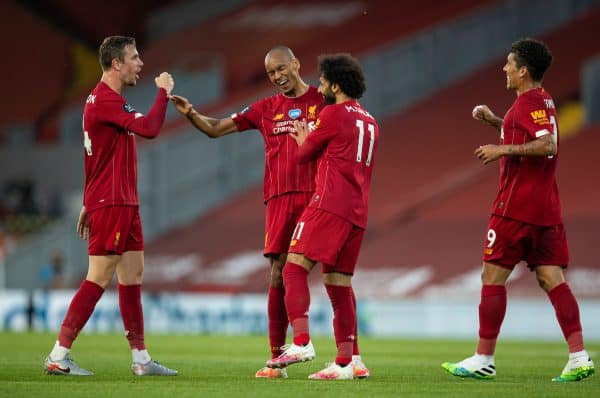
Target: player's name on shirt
[{"x": 359, "y": 110}]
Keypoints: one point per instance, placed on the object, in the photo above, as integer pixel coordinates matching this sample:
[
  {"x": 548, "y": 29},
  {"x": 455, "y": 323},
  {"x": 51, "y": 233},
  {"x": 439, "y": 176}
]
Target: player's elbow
[
  {"x": 550, "y": 147},
  {"x": 213, "y": 134}
]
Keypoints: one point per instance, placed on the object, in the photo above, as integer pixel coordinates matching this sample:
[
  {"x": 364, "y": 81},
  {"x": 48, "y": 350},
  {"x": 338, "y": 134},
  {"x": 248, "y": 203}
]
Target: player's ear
[
  {"x": 116, "y": 64},
  {"x": 523, "y": 71}
]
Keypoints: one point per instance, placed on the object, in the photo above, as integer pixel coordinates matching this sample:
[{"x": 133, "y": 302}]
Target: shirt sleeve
[
  {"x": 317, "y": 139},
  {"x": 249, "y": 117},
  {"x": 535, "y": 119},
  {"x": 121, "y": 114}
]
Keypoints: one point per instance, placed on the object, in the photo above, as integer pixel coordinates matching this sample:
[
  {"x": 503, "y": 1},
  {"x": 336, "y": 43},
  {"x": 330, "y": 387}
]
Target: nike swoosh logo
[{"x": 54, "y": 367}]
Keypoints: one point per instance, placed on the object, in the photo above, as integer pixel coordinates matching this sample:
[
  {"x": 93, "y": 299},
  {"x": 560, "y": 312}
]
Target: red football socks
[
  {"x": 567, "y": 313},
  {"x": 344, "y": 321},
  {"x": 355, "y": 350},
  {"x": 278, "y": 320},
  {"x": 297, "y": 301},
  {"x": 81, "y": 308},
  {"x": 130, "y": 304},
  {"x": 492, "y": 309}
]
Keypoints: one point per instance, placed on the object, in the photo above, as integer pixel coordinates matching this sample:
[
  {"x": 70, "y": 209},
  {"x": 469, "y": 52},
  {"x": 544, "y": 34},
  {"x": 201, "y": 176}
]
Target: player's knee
[
  {"x": 276, "y": 278},
  {"x": 546, "y": 282}
]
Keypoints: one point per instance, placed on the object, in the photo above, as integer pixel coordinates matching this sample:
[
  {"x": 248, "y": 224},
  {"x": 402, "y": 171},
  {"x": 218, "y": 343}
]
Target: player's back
[{"x": 346, "y": 165}]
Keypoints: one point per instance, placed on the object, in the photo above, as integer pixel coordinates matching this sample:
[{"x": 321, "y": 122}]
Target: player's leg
[
  {"x": 100, "y": 272},
  {"x": 130, "y": 271},
  {"x": 503, "y": 248},
  {"x": 338, "y": 283},
  {"x": 277, "y": 316},
  {"x": 552, "y": 280},
  {"x": 360, "y": 369},
  {"x": 339, "y": 290},
  {"x": 297, "y": 302},
  {"x": 282, "y": 214},
  {"x": 278, "y": 320},
  {"x": 104, "y": 255},
  {"x": 492, "y": 309},
  {"x": 551, "y": 248}
]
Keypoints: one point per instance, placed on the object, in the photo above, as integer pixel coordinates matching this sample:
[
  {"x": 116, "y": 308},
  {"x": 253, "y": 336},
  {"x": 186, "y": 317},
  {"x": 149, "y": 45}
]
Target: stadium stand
[
  {"x": 36, "y": 85},
  {"x": 430, "y": 196},
  {"x": 194, "y": 257}
]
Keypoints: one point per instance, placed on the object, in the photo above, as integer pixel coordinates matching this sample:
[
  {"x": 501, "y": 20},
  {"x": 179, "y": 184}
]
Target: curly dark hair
[
  {"x": 345, "y": 71},
  {"x": 534, "y": 55},
  {"x": 113, "y": 47}
]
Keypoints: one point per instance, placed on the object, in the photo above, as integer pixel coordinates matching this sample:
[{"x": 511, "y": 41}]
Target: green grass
[{"x": 224, "y": 366}]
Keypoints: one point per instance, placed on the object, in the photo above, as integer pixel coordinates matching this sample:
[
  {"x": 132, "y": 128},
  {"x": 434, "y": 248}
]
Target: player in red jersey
[
  {"x": 331, "y": 229},
  {"x": 288, "y": 186},
  {"x": 526, "y": 222},
  {"x": 110, "y": 218}
]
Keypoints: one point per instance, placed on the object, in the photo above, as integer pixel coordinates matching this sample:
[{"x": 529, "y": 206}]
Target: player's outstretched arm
[
  {"x": 213, "y": 128},
  {"x": 484, "y": 114}
]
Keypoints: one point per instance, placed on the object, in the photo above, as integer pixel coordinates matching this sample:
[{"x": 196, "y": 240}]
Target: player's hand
[
  {"x": 483, "y": 114},
  {"x": 165, "y": 80},
  {"x": 83, "y": 224},
  {"x": 488, "y": 153},
  {"x": 181, "y": 104},
  {"x": 302, "y": 131}
]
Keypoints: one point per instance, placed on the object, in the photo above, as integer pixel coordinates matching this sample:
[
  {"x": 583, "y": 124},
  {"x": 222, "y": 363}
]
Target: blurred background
[{"x": 427, "y": 64}]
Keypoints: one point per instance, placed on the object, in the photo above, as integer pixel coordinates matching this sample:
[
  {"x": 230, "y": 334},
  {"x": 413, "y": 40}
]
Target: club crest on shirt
[
  {"x": 539, "y": 116},
  {"x": 294, "y": 113},
  {"x": 312, "y": 112},
  {"x": 128, "y": 108}
]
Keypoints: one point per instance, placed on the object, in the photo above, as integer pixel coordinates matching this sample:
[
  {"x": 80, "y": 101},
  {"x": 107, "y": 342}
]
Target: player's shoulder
[
  {"x": 353, "y": 109},
  {"x": 103, "y": 93},
  {"x": 535, "y": 97}
]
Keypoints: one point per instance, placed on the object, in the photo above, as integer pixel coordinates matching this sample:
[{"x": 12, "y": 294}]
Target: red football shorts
[
  {"x": 329, "y": 239},
  {"x": 508, "y": 242},
  {"x": 115, "y": 230},
  {"x": 283, "y": 213}
]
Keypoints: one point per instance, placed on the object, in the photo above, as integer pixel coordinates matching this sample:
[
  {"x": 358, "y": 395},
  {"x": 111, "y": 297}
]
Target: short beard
[{"x": 329, "y": 99}]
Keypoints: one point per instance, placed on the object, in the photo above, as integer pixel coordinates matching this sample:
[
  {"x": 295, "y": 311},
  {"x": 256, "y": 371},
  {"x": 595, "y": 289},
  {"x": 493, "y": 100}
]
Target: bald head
[
  {"x": 283, "y": 53},
  {"x": 282, "y": 68}
]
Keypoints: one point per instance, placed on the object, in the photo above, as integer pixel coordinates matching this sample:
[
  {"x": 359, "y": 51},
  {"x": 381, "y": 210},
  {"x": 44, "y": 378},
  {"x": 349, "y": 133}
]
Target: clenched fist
[{"x": 165, "y": 80}]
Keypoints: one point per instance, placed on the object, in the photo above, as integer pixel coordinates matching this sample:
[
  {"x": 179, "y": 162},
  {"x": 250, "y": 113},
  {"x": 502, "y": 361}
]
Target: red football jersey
[
  {"x": 344, "y": 141},
  {"x": 527, "y": 191},
  {"x": 273, "y": 117},
  {"x": 109, "y": 125}
]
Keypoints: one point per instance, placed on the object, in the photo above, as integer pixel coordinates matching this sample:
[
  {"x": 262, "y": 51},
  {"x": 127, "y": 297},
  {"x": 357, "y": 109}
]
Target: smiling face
[
  {"x": 325, "y": 90},
  {"x": 129, "y": 69},
  {"x": 282, "y": 70},
  {"x": 514, "y": 73}
]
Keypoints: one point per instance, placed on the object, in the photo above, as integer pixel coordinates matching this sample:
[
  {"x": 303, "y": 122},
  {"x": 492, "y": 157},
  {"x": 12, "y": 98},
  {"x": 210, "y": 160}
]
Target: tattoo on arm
[{"x": 543, "y": 146}]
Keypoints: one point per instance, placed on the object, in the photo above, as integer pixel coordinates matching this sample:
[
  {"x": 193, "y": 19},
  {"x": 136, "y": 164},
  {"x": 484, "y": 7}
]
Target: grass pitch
[{"x": 214, "y": 366}]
